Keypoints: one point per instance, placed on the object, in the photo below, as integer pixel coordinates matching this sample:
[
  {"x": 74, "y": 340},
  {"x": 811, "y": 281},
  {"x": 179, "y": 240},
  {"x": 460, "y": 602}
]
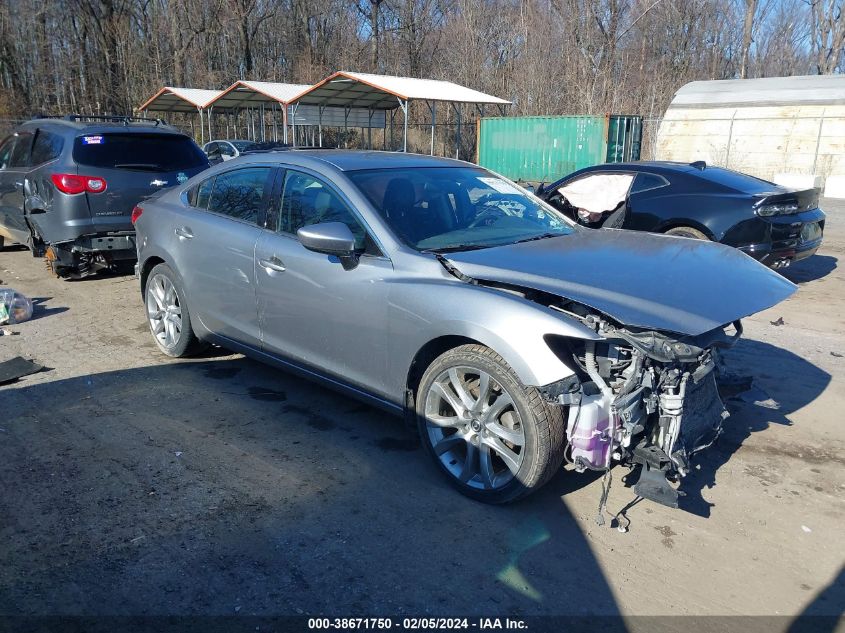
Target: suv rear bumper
[
  {"x": 120, "y": 245},
  {"x": 89, "y": 253}
]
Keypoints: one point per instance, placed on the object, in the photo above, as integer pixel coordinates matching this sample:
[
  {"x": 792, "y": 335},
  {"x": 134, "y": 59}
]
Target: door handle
[
  {"x": 274, "y": 263},
  {"x": 184, "y": 233}
]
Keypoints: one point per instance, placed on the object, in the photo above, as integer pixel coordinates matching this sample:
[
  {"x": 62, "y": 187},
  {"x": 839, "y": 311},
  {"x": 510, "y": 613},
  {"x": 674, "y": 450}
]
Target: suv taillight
[
  {"x": 136, "y": 213},
  {"x": 73, "y": 184}
]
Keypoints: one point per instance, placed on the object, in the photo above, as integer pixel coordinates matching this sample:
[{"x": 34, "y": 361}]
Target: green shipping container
[{"x": 545, "y": 148}]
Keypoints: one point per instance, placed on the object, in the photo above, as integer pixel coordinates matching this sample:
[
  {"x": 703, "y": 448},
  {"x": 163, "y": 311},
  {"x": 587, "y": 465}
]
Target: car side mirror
[{"x": 330, "y": 238}]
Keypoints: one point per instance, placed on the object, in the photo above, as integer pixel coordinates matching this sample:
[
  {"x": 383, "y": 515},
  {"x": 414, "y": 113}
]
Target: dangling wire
[
  {"x": 606, "y": 481},
  {"x": 622, "y": 514}
]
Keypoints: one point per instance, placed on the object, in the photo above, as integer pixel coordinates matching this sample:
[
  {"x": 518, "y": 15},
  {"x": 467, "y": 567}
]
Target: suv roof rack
[{"x": 112, "y": 118}]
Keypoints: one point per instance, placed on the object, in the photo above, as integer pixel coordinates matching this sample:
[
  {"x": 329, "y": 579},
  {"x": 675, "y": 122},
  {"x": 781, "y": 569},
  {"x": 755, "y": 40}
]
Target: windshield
[
  {"x": 457, "y": 208},
  {"x": 137, "y": 151}
]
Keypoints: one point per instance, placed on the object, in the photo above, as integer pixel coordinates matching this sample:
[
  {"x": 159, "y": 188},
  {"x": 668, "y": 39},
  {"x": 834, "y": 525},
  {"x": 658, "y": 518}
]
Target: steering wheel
[{"x": 493, "y": 210}]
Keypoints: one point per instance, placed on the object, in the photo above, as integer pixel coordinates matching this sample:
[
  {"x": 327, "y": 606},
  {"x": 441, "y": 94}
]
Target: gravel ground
[{"x": 134, "y": 484}]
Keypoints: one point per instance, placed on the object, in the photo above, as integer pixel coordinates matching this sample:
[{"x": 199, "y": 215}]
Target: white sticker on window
[
  {"x": 92, "y": 140},
  {"x": 500, "y": 185}
]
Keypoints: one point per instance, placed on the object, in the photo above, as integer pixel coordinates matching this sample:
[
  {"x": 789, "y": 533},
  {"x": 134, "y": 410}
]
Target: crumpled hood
[{"x": 642, "y": 280}]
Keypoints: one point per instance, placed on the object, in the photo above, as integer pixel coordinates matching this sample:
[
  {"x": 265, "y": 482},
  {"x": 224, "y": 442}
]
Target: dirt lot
[{"x": 134, "y": 484}]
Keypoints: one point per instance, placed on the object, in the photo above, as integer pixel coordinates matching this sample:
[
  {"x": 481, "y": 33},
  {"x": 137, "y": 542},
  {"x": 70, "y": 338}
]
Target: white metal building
[{"x": 787, "y": 129}]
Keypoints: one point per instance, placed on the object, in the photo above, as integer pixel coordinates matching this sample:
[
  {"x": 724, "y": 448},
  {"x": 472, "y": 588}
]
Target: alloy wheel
[
  {"x": 474, "y": 428},
  {"x": 164, "y": 311}
]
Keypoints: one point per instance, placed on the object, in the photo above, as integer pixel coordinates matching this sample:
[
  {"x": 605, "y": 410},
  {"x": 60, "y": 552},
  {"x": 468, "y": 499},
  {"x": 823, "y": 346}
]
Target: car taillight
[
  {"x": 73, "y": 184},
  {"x": 781, "y": 208},
  {"x": 136, "y": 213}
]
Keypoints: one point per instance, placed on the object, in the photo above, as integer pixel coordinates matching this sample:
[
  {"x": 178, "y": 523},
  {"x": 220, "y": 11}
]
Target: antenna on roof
[{"x": 699, "y": 164}]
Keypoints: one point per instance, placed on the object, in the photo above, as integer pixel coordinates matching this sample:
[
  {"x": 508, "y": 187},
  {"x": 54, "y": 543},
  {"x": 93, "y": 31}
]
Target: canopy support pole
[
  {"x": 320, "y": 122},
  {"x": 392, "y": 113},
  {"x": 202, "y": 128},
  {"x": 404, "y": 106},
  {"x": 293, "y": 122},
  {"x": 285, "y": 123},
  {"x": 369, "y": 128},
  {"x": 210, "y": 129},
  {"x": 346, "y": 110},
  {"x": 457, "y": 107},
  {"x": 432, "y": 108}
]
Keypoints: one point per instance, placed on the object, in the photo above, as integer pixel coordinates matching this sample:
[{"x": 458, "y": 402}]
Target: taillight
[
  {"x": 778, "y": 208},
  {"x": 136, "y": 213},
  {"x": 73, "y": 184}
]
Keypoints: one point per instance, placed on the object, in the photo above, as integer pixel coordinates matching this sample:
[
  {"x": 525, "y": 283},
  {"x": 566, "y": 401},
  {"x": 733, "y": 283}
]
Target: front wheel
[
  {"x": 495, "y": 439},
  {"x": 167, "y": 313}
]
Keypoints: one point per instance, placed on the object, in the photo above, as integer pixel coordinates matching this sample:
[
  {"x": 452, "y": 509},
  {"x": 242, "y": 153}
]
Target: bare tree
[
  {"x": 250, "y": 15},
  {"x": 747, "y": 35},
  {"x": 828, "y": 33}
]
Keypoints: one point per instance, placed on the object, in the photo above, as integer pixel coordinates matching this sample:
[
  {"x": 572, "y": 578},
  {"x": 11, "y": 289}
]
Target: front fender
[{"x": 512, "y": 326}]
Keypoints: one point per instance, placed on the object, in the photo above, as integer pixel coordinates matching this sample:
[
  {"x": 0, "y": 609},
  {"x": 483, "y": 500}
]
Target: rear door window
[
  {"x": 6, "y": 151},
  {"x": 239, "y": 194},
  {"x": 21, "y": 153},
  {"x": 647, "y": 182},
  {"x": 141, "y": 152},
  {"x": 47, "y": 147}
]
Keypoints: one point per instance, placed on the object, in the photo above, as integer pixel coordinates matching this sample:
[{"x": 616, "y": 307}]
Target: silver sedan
[{"x": 442, "y": 292}]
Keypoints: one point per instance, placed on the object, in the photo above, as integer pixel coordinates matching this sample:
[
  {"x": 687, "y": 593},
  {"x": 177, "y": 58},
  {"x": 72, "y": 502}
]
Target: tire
[
  {"x": 687, "y": 231},
  {"x": 478, "y": 449},
  {"x": 168, "y": 315},
  {"x": 2, "y": 242}
]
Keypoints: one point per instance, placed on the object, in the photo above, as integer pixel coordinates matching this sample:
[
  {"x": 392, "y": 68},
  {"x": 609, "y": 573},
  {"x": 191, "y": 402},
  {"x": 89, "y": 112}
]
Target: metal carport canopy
[
  {"x": 383, "y": 92},
  {"x": 345, "y": 89},
  {"x": 246, "y": 94},
  {"x": 170, "y": 99}
]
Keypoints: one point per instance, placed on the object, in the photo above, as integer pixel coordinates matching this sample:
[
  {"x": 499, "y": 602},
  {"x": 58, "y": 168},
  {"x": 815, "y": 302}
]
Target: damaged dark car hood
[{"x": 641, "y": 280}]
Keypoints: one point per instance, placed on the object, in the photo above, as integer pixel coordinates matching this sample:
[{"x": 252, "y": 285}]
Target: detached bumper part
[{"x": 653, "y": 483}]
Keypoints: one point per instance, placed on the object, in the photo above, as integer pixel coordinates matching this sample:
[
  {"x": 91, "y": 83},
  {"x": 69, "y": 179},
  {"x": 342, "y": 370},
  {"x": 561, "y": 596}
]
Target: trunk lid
[{"x": 805, "y": 199}]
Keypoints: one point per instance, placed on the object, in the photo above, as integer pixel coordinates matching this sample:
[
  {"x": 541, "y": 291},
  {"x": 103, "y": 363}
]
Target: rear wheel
[
  {"x": 167, "y": 313},
  {"x": 687, "y": 231},
  {"x": 495, "y": 439}
]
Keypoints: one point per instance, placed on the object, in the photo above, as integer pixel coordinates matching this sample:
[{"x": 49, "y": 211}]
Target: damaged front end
[{"x": 641, "y": 398}]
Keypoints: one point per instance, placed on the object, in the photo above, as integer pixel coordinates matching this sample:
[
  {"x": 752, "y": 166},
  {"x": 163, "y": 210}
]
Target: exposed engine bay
[
  {"x": 642, "y": 398},
  {"x": 638, "y": 397}
]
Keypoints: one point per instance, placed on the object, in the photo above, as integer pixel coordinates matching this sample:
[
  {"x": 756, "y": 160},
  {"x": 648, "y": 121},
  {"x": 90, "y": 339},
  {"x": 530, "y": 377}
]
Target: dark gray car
[
  {"x": 68, "y": 185},
  {"x": 437, "y": 290}
]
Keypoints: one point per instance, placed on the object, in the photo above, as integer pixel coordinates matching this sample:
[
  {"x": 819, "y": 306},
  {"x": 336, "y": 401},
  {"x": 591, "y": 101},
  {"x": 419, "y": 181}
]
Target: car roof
[
  {"x": 355, "y": 160},
  {"x": 79, "y": 125},
  {"x": 655, "y": 166}
]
